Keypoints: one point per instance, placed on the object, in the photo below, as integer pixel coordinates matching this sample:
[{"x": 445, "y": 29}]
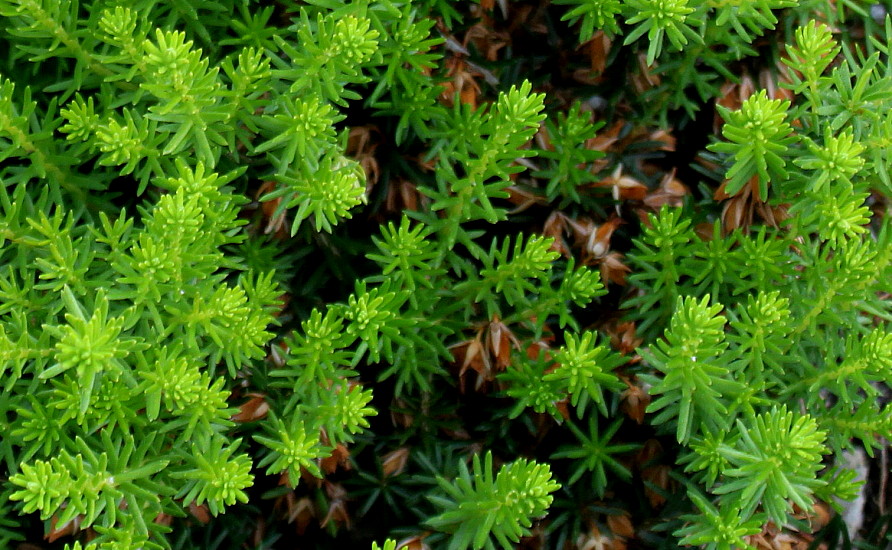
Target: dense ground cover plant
[{"x": 356, "y": 271}]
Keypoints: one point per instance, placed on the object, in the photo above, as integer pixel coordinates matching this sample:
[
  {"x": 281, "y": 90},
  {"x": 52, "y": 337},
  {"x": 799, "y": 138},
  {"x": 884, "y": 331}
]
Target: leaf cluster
[{"x": 291, "y": 262}]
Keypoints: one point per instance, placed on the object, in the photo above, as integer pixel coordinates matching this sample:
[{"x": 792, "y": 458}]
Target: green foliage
[
  {"x": 214, "y": 476},
  {"x": 760, "y": 137},
  {"x": 777, "y": 437},
  {"x": 661, "y": 19},
  {"x": 389, "y": 544},
  {"x": 527, "y": 386},
  {"x": 594, "y": 15},
  {"x": 768, "y": 465},
  {"x": 689, "y": 44},
  {"x": 810, "y": 55},
  {"x": 659, "y": 253},
  {"x": 720, "y": 377},
  {"x": 594, "y": 452},
  {"x": 92, "y": 484},
  {"x": 717, "y": 529},
  {"x": 695, "y": 388},
  {"x": 490, "y": 140},
  {"x": 584, "y": 370},
  {"x": 569, "y": 168},
  {"x": 478, "y": 505},
  {"x": 216, "y": 299}
]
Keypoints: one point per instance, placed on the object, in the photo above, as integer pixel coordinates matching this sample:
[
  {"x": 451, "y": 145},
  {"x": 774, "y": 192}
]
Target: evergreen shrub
[{"x": 515, "y": 274}]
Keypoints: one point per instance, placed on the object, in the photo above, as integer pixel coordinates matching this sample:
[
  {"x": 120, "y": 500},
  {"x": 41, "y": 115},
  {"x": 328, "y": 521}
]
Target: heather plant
[{"x": 325, "y": 269}]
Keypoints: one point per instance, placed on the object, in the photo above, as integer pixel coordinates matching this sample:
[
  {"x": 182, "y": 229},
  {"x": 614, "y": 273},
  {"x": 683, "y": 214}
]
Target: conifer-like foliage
[
  {"x": 319, "y": 273},
  {"x": 720, "y": 379},
  {"x": 478, "y": 504}
]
